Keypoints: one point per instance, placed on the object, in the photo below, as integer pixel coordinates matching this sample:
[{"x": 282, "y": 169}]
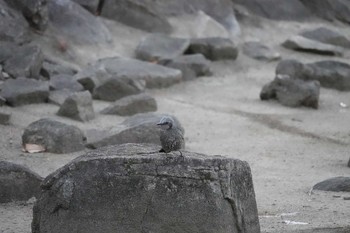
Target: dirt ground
[{"x": 288, "y": 149}]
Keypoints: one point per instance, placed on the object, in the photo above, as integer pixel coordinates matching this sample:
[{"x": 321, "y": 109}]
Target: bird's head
[{"x": 166, "y": 122}]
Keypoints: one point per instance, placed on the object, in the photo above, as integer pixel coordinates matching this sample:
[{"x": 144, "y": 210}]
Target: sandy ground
[{"x": 288, "y": 149}]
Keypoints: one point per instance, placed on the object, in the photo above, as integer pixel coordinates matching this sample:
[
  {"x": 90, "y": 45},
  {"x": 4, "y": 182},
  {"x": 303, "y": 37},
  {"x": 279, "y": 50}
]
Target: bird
[{"x": 171, "y": 135}]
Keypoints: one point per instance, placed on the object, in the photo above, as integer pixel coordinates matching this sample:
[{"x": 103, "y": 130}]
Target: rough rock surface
[
  {"x": 155, "y": 76},
  {"x": 90, "y": 5},
  {"x": 260, "y": 51},
  {"x": 64, "y": 81},
  {"x": 18, "y": 183},
  {"x": 78, "y": 106},
  {"x": 132, "y": 188},
  {"x": 301, "y": 43},
  {"x": 58, "y": 97},
  {"x": 140, "y": 128},
  {"x": 13, "y": 26},
  {"x": 330, "y": 9},
  {"x": 336, "y": 184},
  {"x": 330, "y": 74},
  {"x": 24, "y": 91},
  {"x": 213, "y": 48},
  {"x": 277, "y": 9},
  {"x": 5, "y": 116},
  {"x": 34, "y": 11},
  {"x": 50, "y": 69},
  {"x": 54, "y": 136},
  {"x": 155, "y": 47},
  {"x": 73, "y": 23},
  {"x": 191, "y": 66},
  {"x": 292, "y": 92},
  {"x": 131, "y": 105},
  {"x": 327, "y": 36},
  {"x": 135, "y": 14},
  {"x": 26, "y": 61}
]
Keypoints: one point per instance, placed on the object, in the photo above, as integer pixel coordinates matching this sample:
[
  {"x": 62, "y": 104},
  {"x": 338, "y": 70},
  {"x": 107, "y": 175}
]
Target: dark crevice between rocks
[{"x": 99, "y": 7}]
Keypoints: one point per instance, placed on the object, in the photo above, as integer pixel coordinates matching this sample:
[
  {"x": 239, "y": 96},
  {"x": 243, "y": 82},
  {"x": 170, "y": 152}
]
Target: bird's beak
[{"x": 164, "y": 123}]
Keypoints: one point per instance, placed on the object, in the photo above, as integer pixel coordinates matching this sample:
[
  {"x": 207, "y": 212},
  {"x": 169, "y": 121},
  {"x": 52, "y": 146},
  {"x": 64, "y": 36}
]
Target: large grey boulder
[
  {"x": 26, "y": 61},
  {"x": 304, "y": 44},
  {"x": 330, "y": 9},
  {"x": 213, "y": 48},
  {"x": 18, "y": 183},
  {"x": 155, "y": 76},
  {"x": 260, "y": 51},
  {"x": 191, "y": 66},
  {"x": 7, "y": 49},
  {"x": 277, "y": 9},
  {"x": 13, "y": 26},
  {"x": 78, "y": 106},
  {"x": 292, "y": 92},
  {"x": 34, "y": 11},
  {"x": 155, "y": 47},
  {"x": 336, "y": 184},
  {"x": 140, "y": 128},
  {"x": 23, "y": 91},
  {"x": 132, "y": 188},
  {"x": 64, "y": 81},
  {"x": 327, "y": 36},
  {"x": 72, "y": 22},
  {"x": 330, "y": 74},
  {"x": 135, "y": 14},
  {"x": 58, "y": 97},
  {"x": 54, "y": 136},
  {"x": 131, "y": 105}
]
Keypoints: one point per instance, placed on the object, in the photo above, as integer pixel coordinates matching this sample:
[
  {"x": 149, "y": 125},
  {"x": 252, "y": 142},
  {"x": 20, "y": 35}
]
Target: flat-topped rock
[{"x": 132, "y": 188}]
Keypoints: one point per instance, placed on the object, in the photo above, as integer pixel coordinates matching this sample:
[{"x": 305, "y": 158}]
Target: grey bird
[{"x": 171, "y": 135}]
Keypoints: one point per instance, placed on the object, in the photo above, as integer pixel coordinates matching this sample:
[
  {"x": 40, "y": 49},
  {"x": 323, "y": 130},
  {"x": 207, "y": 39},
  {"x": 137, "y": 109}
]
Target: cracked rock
[{"x": 132, "y": 188}]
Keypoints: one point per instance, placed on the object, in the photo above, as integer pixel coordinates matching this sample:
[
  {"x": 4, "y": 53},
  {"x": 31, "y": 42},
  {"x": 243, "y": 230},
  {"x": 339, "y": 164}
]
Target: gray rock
[
  {"x": 2, "y": 100},
  {"x": 54, "y": 136},
  {"x": 140, "y": 128},
  {"x": 301, "y": 43},
  {"x": 155, "y": 76},
  {"x": 292, "y": 92},
  {"x": 135, "y": 14},
  {"x": 7, "y": 50},
  {"x": 336, "y": 184},
  {"x": 191, "y": 66},
  {"x": 131, "y": 105},
  {"x": 330, "y": 74},
  {"x": 5, "y": 116},
  {"x": 131, "y": 188},
  {"x": 23, "y": 91},
  {"x": 64, "y": 81},
  {"x": 13, "y": 26},
  {"x": 90, "y": 5},
  {"x": 26, "y": 61},
  {"x": 50, "y": 69},
  {"x": 78, "y": 106},
  {"x": 330, "y": 9},
  {"x": 91, "y": 76},
  {"x": 155, "y": 47},
  {"x": 277, "y": 9},
  {"x": 58, "y": 97},
  {"x": 260, "y": 51},
  {"x": 213, "y": 48},
  {"x": 327, "y": 36},
  {"x": 34, "y": 11},
  {"x": 18, "y": 183},
  {"x": 74, "y": 23}
]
